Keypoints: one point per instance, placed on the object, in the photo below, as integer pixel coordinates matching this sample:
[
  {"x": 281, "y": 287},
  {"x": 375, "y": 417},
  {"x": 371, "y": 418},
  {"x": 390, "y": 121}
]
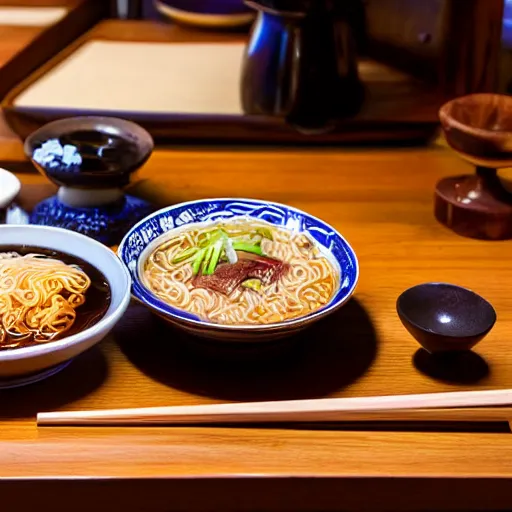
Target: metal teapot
[{"x": 300, "y": 63}]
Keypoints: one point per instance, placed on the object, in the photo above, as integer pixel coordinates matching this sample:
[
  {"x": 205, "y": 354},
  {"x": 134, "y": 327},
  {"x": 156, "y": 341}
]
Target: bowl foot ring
[{"x": 25, "y": 380}]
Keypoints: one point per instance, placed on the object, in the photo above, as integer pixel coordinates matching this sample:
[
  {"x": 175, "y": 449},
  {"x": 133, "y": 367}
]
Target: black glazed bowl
[
  {"x": 206, "y": 13},
  {"x": 89, "y": 152},
  {"x": 208, "y": 6},
  {"x": 445, "y": 318}
]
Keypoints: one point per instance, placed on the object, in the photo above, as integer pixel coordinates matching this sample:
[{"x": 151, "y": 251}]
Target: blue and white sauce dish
[{"x": 144, "y": 239}]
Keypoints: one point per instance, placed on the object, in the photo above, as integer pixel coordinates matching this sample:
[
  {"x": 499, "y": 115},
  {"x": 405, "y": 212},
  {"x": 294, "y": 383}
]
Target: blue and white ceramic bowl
[{"x": 133, "y": 251}]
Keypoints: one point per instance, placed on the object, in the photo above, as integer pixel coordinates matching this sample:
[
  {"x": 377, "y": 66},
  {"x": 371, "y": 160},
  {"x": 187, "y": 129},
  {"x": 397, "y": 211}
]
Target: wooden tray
[
  {"x": 381, "y": 200},
  {"x": 33, "y": 31},
  {"x": 183, "y": 85}
]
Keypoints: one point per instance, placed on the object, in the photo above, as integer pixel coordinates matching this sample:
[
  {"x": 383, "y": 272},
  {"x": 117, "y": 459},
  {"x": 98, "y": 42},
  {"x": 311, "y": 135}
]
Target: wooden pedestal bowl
[{"x": 479, "y": 128}]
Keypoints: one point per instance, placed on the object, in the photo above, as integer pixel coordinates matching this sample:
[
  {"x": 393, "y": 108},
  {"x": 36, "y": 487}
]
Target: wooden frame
[
  {"x": 24, "y": 48},
  {"x": 82, "y": 14}
]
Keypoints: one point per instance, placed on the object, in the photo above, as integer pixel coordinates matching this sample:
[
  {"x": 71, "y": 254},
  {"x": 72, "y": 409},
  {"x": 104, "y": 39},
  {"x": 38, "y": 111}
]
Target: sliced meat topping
[{"x": 227, "y": 277}]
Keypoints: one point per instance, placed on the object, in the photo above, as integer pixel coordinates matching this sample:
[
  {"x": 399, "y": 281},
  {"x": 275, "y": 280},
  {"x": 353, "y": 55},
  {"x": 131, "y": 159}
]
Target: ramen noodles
[
  {"x": 240, "y": 272},
  {"x": 43, "y": 297}
]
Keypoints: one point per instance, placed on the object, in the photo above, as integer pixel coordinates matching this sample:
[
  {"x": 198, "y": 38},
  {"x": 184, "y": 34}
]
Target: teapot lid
[
  {"x": 296, "y": 7},
  {"x": 300, "y": 7}
]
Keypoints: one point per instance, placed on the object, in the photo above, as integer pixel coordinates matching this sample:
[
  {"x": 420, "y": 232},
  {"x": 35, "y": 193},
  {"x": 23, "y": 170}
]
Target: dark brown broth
[{"x": 97, "y": 297}]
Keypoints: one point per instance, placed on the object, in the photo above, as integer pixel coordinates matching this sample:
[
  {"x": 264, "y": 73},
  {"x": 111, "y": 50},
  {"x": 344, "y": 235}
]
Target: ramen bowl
[
  {"x": 35, "y": 361},
  {"x": 145, "y": 237}
]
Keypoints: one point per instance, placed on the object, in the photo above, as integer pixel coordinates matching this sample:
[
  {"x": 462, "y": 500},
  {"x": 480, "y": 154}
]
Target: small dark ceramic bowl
[
  {"x": 89, "y": 152},
  {"x": 208, "y": 6},
  {"x": 479, "y": 128},
  {"x": 444, "y": 317}
]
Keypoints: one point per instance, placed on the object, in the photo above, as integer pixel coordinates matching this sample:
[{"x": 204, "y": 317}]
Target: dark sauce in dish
[
  {"x": 89, "y": 158},
  {"x": 97, "y": 297},
  {"x": 101, "y": 152}
]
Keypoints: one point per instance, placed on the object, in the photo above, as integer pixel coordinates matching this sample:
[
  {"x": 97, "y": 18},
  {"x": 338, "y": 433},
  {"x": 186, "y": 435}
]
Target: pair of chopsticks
[{"x": 468, "y": 406}]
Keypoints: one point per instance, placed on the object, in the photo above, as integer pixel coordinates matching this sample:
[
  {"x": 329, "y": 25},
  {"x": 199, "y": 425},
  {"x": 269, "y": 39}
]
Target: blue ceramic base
[
  {"x": 106, "y": 224},
  {"x": 25, "y": 380}
]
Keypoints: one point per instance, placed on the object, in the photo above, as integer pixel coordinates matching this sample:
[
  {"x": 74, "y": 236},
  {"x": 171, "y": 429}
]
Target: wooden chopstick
[{"x": 474, "y": 406}]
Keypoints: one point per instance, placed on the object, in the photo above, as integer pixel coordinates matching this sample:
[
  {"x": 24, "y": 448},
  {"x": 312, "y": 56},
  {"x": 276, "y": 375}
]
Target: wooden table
[
  {"x": 32, "y": 31},
  {"x": 381, "y": 200}
]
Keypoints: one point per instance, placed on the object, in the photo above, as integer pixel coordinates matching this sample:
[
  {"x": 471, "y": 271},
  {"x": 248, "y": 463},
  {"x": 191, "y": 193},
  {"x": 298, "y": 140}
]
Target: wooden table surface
[
  {"x": 13, "y": 39},
  {"x": 27, "y": 41},
  {"x": 381, "y": 200}
]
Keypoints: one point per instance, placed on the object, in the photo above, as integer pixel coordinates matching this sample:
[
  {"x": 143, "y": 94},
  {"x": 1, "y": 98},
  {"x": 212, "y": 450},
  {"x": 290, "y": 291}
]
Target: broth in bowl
[
  {"x": 240, "y": 271},
  {"x": 46, "y": 295}
]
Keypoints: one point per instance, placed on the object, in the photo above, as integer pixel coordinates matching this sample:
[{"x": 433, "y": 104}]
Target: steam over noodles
[
  {"x": 240, "y": 273},
  {"x": 39, "y": 297}
]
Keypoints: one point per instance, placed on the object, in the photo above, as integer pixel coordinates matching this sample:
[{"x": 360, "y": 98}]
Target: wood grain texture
[
  {"x": 32, "y": 48},
  {"x": 38, "y": 3},
  {"x": 381, "y": 200},
  {"x": 24, "y": 48},
  {"x": 12, "y": 41},
  {"x": 398, "y": 108},
  {"x": 471, "y": 58},
  {"x": 455, "y": 45}
]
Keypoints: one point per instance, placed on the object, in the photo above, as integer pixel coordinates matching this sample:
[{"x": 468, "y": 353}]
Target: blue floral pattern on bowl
[{"x": 210, "y": 210}]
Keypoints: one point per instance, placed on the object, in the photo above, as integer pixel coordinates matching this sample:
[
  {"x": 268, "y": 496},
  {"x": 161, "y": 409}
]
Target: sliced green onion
[
  {"x": 245, "y": 247},
  {"x": 252, "y": 284},
  {"x": 197, "y": 261},
  {"x": 204, "y": 240},
  {"x": 216, "y": 245},
  {"x": 206, "y": 260},
  {"x": 265, "y": 233},
  {"x": 185, "y": 255},
  {"x": 220, "y": 234},
  {"x": 214, "y": 260},
  {"x": 230, "y": 253},
  {"x": 211, "y": 237}
]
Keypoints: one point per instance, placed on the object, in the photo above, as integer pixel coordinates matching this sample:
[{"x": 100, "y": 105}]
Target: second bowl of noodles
[
  {"x": 239, "y": 269},
  {"x": 60, "y": 293}
]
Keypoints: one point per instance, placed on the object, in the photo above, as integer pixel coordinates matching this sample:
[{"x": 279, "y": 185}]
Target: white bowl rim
[
  {"x": 108, "y": 320},
  {"x": 328, "y": 309},
  {"x": 14, "y": 187}
]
